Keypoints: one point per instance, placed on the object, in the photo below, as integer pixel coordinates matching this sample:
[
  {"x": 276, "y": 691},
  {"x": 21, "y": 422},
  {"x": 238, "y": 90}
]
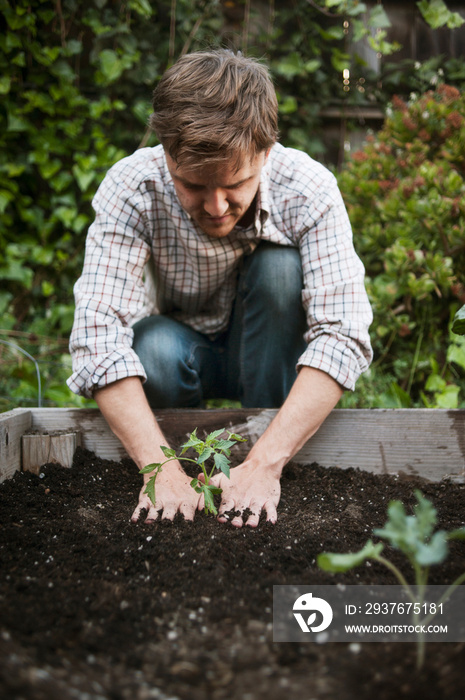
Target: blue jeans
[{"x": 253, "y": 361}]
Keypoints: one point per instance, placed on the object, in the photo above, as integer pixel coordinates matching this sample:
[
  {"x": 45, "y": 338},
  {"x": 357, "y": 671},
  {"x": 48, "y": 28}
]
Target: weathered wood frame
[{"x": 423, "y": 442}]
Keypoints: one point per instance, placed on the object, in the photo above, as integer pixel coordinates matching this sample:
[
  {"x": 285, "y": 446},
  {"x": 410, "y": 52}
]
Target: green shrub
[{"x": 405, "y": 193}]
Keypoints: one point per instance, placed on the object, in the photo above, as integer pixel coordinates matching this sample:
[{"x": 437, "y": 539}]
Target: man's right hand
[
  {"x": 131, "y": 419},
  {"x": 173, "y": 494}
]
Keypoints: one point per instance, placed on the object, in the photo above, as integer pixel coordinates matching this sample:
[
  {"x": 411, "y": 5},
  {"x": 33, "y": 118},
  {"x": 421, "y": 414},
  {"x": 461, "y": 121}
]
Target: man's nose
[{"x": 216, "y": 203}]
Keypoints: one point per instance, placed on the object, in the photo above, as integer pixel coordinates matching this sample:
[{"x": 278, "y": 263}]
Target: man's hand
[
  {"x": 249, "y": 487},
  {"x": 173, "y": 494},
  {"x": 254, "y": 484}
]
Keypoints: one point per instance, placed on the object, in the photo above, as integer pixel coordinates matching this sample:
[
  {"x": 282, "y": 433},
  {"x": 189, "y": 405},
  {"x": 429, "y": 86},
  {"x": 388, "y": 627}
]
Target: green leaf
[
  {"x": 458, "y": 534},
  {"x": 150, "y": 468},
  {"x": 110, "y": 65},
  {"x": 142, "y": 7},
  {"x": 288, "y": 105},
  {"x": 458, "y": 325},
  {"x": 338, "y": 563},
  {"x": 83, "y": 178},
  {"x": 435, "y": 383},
  {"x": 193, "y": 441},
  {"x": 222, "y": 464},
  {"x": 237, "y": 438},
  {"x": 208, "y": 492},
  {"x": 214, "y": 435},
  {"x": 378, "y": 18},
  {"x": 205, "y": 454},
  {"x": 433, "y": 552},
  {"x": 5, "y": 84},
  {"x": 412, "y": 534},
  {"x": 449, "y": 397},
  {"x": 15, "y": 271},
  {"x": 197, "y": 485},
  {"x": 168, "y": 452},
  {"x": 5, "y": 198},
  {"x": 150, "y": 490},
  {"x": 425, "y": 514},
  {"x": 224, "y": 445},
  {"x": 437, "y": 14}
]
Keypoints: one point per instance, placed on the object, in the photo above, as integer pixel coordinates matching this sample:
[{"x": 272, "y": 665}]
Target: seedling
[
  {"x": 212, "y": 447},
  {"x": 414, "y": 536}
]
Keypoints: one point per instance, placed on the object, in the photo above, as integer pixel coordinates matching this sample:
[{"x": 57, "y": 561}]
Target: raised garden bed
[{"x": 93, "y": 607}]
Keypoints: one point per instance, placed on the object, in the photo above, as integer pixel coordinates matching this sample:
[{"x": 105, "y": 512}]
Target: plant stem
[{"x": 398, "y": 574}]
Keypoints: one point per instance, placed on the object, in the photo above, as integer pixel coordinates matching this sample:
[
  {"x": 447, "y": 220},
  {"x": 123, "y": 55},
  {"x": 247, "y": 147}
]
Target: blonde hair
[{"x": 213, "y": 106}]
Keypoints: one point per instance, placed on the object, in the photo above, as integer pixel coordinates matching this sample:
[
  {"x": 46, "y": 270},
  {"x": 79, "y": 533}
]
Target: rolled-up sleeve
[
  {"x": 334, "y": 296},
  {"x": 110, "y": 294}
]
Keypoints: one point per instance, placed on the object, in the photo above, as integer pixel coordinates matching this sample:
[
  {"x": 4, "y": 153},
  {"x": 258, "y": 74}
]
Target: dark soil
[{"x": 93, "y": 607}]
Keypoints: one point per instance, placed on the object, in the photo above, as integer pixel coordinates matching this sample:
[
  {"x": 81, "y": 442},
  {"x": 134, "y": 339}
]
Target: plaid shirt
[{"x": 145, "y": 255}]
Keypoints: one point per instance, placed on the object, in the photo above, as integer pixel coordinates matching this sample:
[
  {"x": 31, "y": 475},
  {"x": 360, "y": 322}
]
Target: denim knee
[
  {"x": 274, "y": 273},
  {"x": 166, "y": 349}
]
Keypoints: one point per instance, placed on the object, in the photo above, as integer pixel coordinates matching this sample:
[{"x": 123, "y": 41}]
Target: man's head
[{"x": 215, "y": 107}]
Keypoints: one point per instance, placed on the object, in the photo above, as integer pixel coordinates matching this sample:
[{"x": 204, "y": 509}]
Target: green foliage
[
  {"x": 214, "y": 446},
  {"x": 76, "y": 80},
  {"x": 414, "y": 536},
  {"x": 405, "y": 193},
  {"x": 19, "y": 382},
  {"x": 458, "y": 326}
]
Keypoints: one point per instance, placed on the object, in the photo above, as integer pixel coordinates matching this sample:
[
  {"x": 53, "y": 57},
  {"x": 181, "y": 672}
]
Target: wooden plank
[
  {"x": 422, "y": 442},
  {"x": 97, "y": 436},
  {"x": 44, "y": 448},
  {"x": 425, "y": 442},
  {"x": 12, "y": 426}
]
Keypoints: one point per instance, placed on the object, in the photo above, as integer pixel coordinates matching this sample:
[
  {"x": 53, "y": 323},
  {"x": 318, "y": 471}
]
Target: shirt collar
[{"x": 262, "y": 211}]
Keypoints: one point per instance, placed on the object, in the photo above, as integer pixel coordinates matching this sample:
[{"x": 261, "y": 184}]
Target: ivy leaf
[
  {"x": 378, "y": 18},
  {"x": 458, "y": 325},
  {"x": 437, "y": 14},
  {"x": 142, "y": 7},
  {"x": 110, "y": 65}
]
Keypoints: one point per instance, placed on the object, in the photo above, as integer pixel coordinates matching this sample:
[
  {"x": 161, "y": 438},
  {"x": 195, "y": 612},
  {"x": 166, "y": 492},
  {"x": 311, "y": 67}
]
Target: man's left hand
[{"x": 249, "y": 487}]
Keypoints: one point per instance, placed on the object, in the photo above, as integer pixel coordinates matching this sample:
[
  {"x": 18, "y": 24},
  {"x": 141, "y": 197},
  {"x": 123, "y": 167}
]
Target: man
[{"x": 259, "y": 295}]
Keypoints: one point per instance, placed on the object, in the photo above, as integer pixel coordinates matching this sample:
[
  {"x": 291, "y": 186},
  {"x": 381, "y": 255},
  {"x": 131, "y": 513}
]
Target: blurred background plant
[
  {"x": 405, "y": 193},
  {"x": 76, "y": 81}
]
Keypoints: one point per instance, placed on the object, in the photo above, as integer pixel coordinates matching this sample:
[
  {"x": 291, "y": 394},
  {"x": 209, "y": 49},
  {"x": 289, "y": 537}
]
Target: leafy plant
[
  {"x": 414, "y": 536},
  {"x": 458, "y": 325},
  {"x": 214, "y": 446},
  {"x": 405, "y": 194},
  {"x": 75, "y": 83},
  {"x": 34, "y": 372}
]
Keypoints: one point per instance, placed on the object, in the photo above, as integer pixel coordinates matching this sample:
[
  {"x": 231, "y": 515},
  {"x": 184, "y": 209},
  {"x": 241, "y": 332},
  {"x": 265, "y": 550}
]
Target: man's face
[{"x": 217, "y": 197}]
